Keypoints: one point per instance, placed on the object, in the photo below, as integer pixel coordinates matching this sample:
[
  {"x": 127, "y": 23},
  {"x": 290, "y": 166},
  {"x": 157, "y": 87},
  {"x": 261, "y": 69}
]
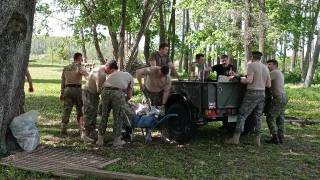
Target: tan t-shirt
[
  {"x": 153, "y": 80},
  {"x": 277, "y": 82},
  {"x": 119, "y": 79},
  {"x": 72, "y": 74},
  {"x": 95, "y": 80},
  {"x": 260, "y": 75}
]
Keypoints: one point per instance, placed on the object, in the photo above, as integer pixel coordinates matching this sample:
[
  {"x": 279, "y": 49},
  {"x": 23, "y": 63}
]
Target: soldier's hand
[
  {"x": 61, "y": 97},
  {"x": 31, "y": 89}
]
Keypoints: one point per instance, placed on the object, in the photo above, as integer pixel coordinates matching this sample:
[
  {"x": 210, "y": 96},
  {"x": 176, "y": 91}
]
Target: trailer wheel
[{"x": 178, "y": 128}]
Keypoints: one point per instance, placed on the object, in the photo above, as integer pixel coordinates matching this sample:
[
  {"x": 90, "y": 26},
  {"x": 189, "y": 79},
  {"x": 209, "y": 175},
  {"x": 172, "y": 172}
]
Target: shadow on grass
[
  {"x": 51, "y": 81},
  {"x": 46, "y": 65}
]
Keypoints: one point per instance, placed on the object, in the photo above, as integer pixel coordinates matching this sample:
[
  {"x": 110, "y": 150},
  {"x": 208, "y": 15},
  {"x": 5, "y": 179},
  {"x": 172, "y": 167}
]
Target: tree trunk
[
  {"x": 15, "y": 39},
  {"x": 122, "y": 33},
  {"x": 284, "y": 53},
  {"x": 162, "y": 32},
  {"x": 302, "y": 53},
  {"x": 262, "y": 28},
  {"x": 309, "y": 43},
  {"x": 148, "y": 12},
  {"x": 96, "y": 44},
  {"x": 186, "y": 54},
  {"x": 247, "y": 29},
  {"x": 183, "y": 38},
  {"x": 294, "y": 53},
  {"x": 83, "y": 46},
  {"x": 313, "y": 63},
  {"x": 147, "y": 41},
  {"x": 173, "y": 30}
]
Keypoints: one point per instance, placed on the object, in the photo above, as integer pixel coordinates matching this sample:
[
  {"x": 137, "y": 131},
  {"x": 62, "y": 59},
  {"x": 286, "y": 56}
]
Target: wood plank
[
  {"x": 110, "y": 174},
  {"x": 100, "y": 166}
]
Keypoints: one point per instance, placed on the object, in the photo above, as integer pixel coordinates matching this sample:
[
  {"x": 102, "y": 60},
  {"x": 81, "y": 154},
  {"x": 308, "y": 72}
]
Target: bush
[{"x": 292, "y": 77}]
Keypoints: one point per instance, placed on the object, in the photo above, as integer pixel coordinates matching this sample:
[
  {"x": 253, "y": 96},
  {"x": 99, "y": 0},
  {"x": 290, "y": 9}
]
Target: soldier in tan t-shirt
[
  {"x": 257, "y": 80},
  {"x": 157, "y": 83},
  {"x": 90, "y": 97},
  {"x": 71, "y": 90},
  {"x": 275, "y": 114}
]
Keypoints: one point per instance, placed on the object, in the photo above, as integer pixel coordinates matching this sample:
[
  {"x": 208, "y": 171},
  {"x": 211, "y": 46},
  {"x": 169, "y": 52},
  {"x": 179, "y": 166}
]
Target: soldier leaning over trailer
[
  {"x": 224, "y": 68},
  {"x": 258, "y": 78},
  {"x": 199, "y": 69}
]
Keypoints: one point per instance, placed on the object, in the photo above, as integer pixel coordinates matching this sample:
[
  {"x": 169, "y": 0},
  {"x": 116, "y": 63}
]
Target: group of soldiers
[{"x": 108, "y": 88}]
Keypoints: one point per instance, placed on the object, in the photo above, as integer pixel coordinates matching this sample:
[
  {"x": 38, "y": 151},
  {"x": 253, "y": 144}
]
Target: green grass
[{"x": 205, "y": 157}]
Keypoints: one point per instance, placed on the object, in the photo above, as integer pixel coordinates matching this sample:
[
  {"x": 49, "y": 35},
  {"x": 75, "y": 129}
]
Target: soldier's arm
[
  {"x": 174, "y": 71},
  {"x": 130, "y": 89},
  {"x": 29, "y": 79},
  {"x": 63, "y": 81},
  {"x": 140, "y": 73},
  {"x": 268, "y": 83},
  {"x": 247, "y": 80}
]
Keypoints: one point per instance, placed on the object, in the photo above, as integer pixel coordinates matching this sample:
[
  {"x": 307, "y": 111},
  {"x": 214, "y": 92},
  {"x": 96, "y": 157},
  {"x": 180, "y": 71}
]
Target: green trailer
[{"x": 198, "y": 103}]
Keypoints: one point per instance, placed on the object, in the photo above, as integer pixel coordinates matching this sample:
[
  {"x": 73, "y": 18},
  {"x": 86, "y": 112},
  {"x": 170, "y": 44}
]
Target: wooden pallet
[{"x": 54, "y": 161}]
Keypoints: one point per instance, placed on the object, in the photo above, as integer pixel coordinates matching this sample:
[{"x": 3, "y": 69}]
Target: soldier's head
[
  {"x": 163, "y": 48},
  {"x": 272, "y": 64},
  {"x": 77, "y": 58},
  {"x": 164, "y": 70},
  {"x": 111, "y": 66},
  {"x": 224, "y": 60},
  {"x": 200, "y": 58},
  {"x": 256, "y": 56}
]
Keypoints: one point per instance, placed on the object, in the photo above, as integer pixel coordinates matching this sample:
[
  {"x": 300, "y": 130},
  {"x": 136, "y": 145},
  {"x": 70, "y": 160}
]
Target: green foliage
[{"x": 292, "y": 77}]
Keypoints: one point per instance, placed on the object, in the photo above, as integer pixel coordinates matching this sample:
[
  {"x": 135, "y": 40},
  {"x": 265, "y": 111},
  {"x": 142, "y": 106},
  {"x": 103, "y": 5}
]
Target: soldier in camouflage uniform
[
  {"x": 116, "y": 90},
  {"x": 278, "y": 102},
  {"x": 257, "y": 80},
  {"x": 90, "y": 96},
  {"x": 71, "y": 90}
]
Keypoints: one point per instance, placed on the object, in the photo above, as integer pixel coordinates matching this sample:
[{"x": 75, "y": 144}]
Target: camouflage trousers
[
  {"x": 116, "y": 100},
  {"x": 275, "y": 115},
  {"x": 155, "y": 98},
  {"x": 90, "y": 109},
  {"x": 252, "y": 104},
  {"x": 72, "y": 97}
]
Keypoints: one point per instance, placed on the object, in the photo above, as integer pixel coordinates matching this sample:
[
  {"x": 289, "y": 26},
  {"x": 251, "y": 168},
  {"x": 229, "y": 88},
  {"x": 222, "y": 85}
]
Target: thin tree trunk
[
  {"x": 284, "y": 53},
  {"x": 15, "y": 38},
  {"x": 262, "y": 28},
  {"x": 247, "y": 29},
  {"x": 186, "y": 55},
  {"x": 302, "y": 54},
  {"x": 122, "y": 33},
  {"x": 96, "y": 44},
  {"x": 173, "y": 30},
  {"x": 147, "y": 41},
  {"x": 313, "y": 63},
  {"x": 294, "y": 53},
  {"x": 162, "y": 32},
  {"x": 83, "y": 46},
  {"x": 183, "y": 38}
]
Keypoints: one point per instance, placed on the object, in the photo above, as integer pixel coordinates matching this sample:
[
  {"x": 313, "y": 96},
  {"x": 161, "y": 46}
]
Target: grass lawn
[{"x": 205, "y": 157}]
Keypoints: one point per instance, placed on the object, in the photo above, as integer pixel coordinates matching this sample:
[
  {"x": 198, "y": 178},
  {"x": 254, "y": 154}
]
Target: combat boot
[
  {"x": 85, "y": 137},
  {"x": 118, "y": 142},
  {"x": 100, "y": 140},
  {"x": 274, "y": 139},
  {"x": 234, "y": 139},
  {"x": 256, "y": 140},
  {"x": 64, "y": 129},
  {"x": 280, "y": 137}
]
